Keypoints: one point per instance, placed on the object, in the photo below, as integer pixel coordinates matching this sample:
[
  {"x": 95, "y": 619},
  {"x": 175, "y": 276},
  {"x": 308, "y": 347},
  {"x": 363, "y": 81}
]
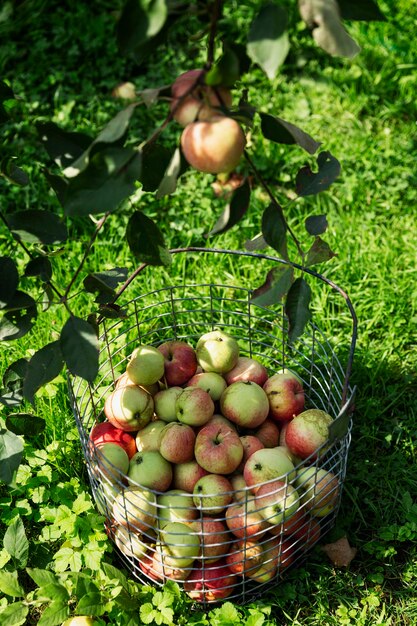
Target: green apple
[
  {"x": 79, "y": 620},
  {"x": 146, "y": 365},
  {"x": 131, "y": 544},
  {"x": 245, "y": 404},
  {"x": 212, "y": 494},
  {"x": 112, "y": 461},
  {"x": 148, "y": 438},
  {"x": 319, "y": 489},
  {"x": 180, "y": 544},
  {"x": 266, "y": 464},
  {"x": 136, "y": 509},
  {"x": 276, "y": 501},
  {"x": 165, "y": 401},
  {"x": 217, "y": 352},
  {"x": 150, "y": 470},
  {"x": 211, "y": 382},
  {"x": 129, "y": 408},
  {"x": 175, "y": 506},
  {"x": 194, "y": 406}
]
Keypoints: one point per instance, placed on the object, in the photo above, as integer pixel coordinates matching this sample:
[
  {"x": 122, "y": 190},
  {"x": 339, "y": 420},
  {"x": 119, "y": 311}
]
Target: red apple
[
  {"x": 244, "y": 521},
  {"x": 211, "y": 583},
  {"x": 105, "y": 432},
  {"x": 194, "y": 406},
  {"x": 218, "y": 449},
  {"x": 214, "y": 538},
  {"x": 220, "y": 420},
  {"x": 250, "y": 445},
  {"x": 308, "y": 432},
  {"x": 285, "y": 394},
  {"x": 180, "y": 362},
  {"x": 245, "y": 556},
  {"x": 200, "y": 100},
  {"x": 212, "y": 493},
  {"x": 240, "y": 488},
  {"x": 247, "y": 369},
  {"x": 176, "y": 442},
  {"x": 129, "y": 408},
  {"x": 154, "y": 566},
  {"x": 185, "y": 475},
  {"x": 268, "y": 433}
]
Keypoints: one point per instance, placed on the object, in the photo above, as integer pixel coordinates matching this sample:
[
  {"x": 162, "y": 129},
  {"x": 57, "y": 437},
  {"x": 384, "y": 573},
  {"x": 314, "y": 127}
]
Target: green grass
[{"x": 364, "y": 113}]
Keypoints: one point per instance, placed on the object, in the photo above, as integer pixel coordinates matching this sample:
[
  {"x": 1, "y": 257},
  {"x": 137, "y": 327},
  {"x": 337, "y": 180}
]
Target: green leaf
[
  {"x": 140, "y": 21},
  {"x": 6, "y": 94},
  {"x": 17, "y": 322},
  {"x": 108, "y": 179},
  {"x": 234, "y": 211},
  {"x": 268, "y": 43},
  {"x": 175, "y": 168},
  {"x": 9, "y": 584},
  {"x": 257, "y": 243},
  {"x": 319, "y": 252},
  {"x": 62, "y": 146},
  {"x": 35, "y": 226},
  {"x": 13, "y": 377},
  {"x": 308, "y": 183},
  {"x": 323, "y": 16},
  {"x": 12, "y": 172},
  {"x": 9, "y": 280},
  {"x": 14, "y": 614},
  {"x": 278, "y": 282},
  {"x": 155, "y": 161},
  {"x": 274, "y": 228},
  {"x": 39, "y": 266},
  {"x": 11, "y": 452},
  {"x": 316, "y": 224},
  {"x": 280, "y": 131},
  {"x": 44, "y": 366},
  {"x": 146, "y": 240},
  {"x": 113, "y": 573},
  {"x": 80, "y": 349},
  {"x": 366, "y": 10},
  {"x": 53, "y": 591},
  {"x": 16, "y": 543},
  {"x": 56, "y": 613},
  {"x": 25, "y": 424},
  {"x": 225, "y": 71},
  {"x": 91, "y": 604},
  {"x": 297, "y": 308},
  {"x": 105, "y": 281},
  {"x": 42, "y": 577}
]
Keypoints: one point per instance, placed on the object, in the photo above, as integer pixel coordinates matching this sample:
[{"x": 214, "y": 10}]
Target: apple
[
  {"x": 124, "y": 380},
  {"x": 129, "y": 408},
  {"x": 291, "y": 525},
  {"x": 211, "y": 583},
  {"x": 175, "y": 506},
  {"x": 146, "y": 365},
  {"x": 105, "y": 432},
  {"x": 250, "y": 445},
  {"x": 217, "y": 352},
  {"x": 213, "y": 146},
  {"x": 220, "y": 420},
  {"x": 112, "y": 461},
  {"x": 309, "y": 534},
  {"x": 319, "y": 490},
  {"x": 150, "y": 470},
  {"x": 278, "y": 555},
  {"x": 277, "y": 501},
  {"x": 176, "y": 443},
  {"x": 214, "y": 538},
  {"x": 154, "y": 565},
  {"x": 164, "y": 402},
  {"x": 247, "y": 370},
  {"x": 218, "y": 449},
  {"x": 211, "y": 382},
  {"x": 268, "y": 433},
  {"x": 285, "y": 394},
  {"x": 267, "y": 464},
  {"x": 240, "y": 488},
  {"x": 283, "y": 443},
  {"x": 180, "y": 362},
  {"x": 245, "y": 404},
  {"x": 105, "y": 494},
  {"x": 136, "y": 509},
  {"x": 148, "y": 438},
  {"x": 307, "y": 433},
  {"x": 199, "y": 101},
  {"x": 245, "y": 556},
  {"x": 185, "y": 475},
  {"x": 79, "y": 620},
  {"x": 181, "y": 546},
  {"x": 194, "y": 406},
  {"x": 130, "y": 544},
  {"x": 244, "y": 521},
  {"x": 212, "y": 493}
]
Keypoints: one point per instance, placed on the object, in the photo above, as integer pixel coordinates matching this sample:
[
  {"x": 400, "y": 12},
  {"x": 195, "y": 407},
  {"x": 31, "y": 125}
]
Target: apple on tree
[
  {"x": 285, "y": 394},
  {"x": 180, "y": 362},
  {"x": 217, "y": 352}
]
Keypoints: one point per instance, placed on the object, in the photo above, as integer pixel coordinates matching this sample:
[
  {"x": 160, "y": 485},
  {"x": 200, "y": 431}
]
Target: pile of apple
[
  {"x": 208, "y": 466},
  {"x": 211, "y": 141}
]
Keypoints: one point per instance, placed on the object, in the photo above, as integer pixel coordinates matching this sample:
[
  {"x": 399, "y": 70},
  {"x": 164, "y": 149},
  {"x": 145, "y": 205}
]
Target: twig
[{"x": 217, "y": 11}]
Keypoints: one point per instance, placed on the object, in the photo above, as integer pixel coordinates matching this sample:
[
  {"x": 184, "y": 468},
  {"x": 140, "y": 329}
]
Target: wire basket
[{"x": 238, "y": 545}]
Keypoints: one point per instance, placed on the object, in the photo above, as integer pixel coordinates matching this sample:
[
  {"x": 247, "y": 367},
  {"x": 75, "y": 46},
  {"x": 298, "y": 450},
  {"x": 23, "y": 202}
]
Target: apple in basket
[
  {"x": 285, "y": 394},
  {"x": 194, "y": 406},
  {"x": 150, "y": 470},
  {"x": 164, "y": 402},
  {"x": 218, "y": 449},
  {"x": 180, "y": 362},
  {"x": 268, "y": 433},
  {"x": 267, "y": 464},
  {"x": 180, "y": 544},
  {"x": 211, "y": 583},
  {"x": 211, "y": 382},
  {"x": 175, "y": 506},
  {"x": 136, "y": 509},
  {"x": 105, "y": 432},
  {"x": 176, "y": 442},
  {"x": 217, "y": 352},
  {"x": 185, "y": 475},
  {"x": 146, "y": 365},
  {"x": 148, "y": 438},
  {"x": 247, "y": 370},
  {"x": 307, "y": 433},
  {"x": 112, "y": 461},
  {"x": 319, "y": 489},
  {"x": 129, "y": 408},
  {"x": 214, "y": 538},
  {"x": 245, "y": 404},
  {"x": 212, "y": 493},
  {"x": 245, "y": 556}
]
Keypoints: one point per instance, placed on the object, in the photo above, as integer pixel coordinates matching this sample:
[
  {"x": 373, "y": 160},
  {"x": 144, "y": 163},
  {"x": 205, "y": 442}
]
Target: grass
[{"x": 364, "y": 113}]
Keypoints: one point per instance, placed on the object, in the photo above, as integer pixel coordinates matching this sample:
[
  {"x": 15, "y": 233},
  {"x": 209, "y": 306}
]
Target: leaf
[
  {"x": 14, "y": 614},
  {"x": 323, "y": 16},
  {"x": 139, "y": 22},
  {"x": 6, "y": 94},
  {"x": 111, "y": 133},
  {"x": 92, "y": 604},
  {"x": 35, "y": 226},
  {"x": 316, "y": 224},
  {"x": 53, "y": 591},
  {"x": 366, "y": 10},
  {"x": 308, "y": 183},
  {"x": 9, "y": 280},
  {"x": 39, "y": 266},
  {"x": 297, "y": 308},
  {"x": 62, "y": 146},
  {"x": 257, "y": 243},
  {"x": 105, "y": 281},
  {"x": 113, "y": 573},
  {"x": 280, "y": 131},
  {"x": 108, "y": 179},
  {"x": 17, "y": 321},
  {"x": 175, "y": 168},
  {"x": 42, "y": 577},
  {"x": 274, "y": 228},
  {"x": 14, "y": 374},
  {"x": 56, "y": 613},
  {"x": 12, "y": 172},
  {"x": 9, "y": 584},
  {"x": 319, "y": 252},
  {"x": 25, "y": 424},
  {"x": 11, "y": 452},
  {"x": 340, "y": 552},
  {"x": 268, "y": 43},
  {"x": 80, "y": 349},
  {"x": 278, "y": 282},
  {"x": 155, "y": 161},
  {"x": 44, "y": 366},
  {"x": 146, "y": 240},
  {"x": 225, "y": 71},
  {"x": 16, "y": 543},
  {"x": 235, "y": 210}
]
